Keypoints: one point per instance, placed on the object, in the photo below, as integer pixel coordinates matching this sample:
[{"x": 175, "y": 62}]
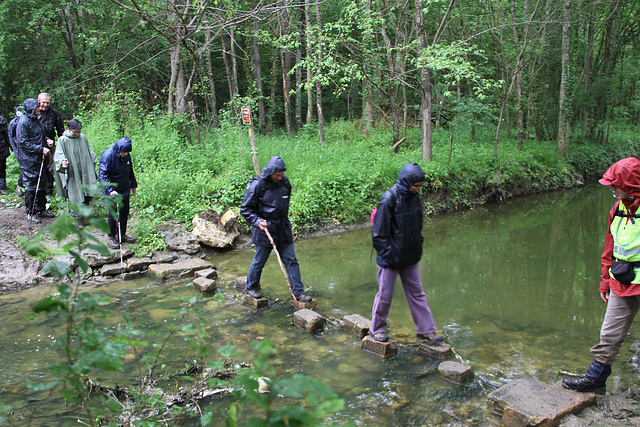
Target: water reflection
[{"x": 513, "y": 287}]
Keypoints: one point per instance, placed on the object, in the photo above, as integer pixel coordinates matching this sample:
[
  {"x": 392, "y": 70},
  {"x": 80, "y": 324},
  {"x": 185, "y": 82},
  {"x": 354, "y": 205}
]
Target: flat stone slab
[
  {"x": 384, "y": 349},
  {"x": 207, "y": 273},
  {"x": 457, "y": 372},
  {"x": 136, "y": 264},
  {"x": 256, "y": 303},
  {"x": 178, "y": 269},
  {"x": 530, "y": 402},
  {"x": 298, "y": 305},
  {"x": 439, "y": 351},
  {"x": 112, "y": 269},
  {"x": 95, "y": 259},
  {"x": 241, "y": 283},
  {"x": 204, "y": 285},
  {"x": 357, "y": 324},
  {"x": 308, "y": 319}
]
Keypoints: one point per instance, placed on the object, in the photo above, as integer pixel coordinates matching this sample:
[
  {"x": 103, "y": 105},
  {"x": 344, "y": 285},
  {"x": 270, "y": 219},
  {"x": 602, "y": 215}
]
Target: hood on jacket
[
  {"x": 624, "y": 174},
  {"x": 30, "y": 106},
  {"x": 123, "y": 145},
  {"x": 275, "y": 164},
  {"x": 409, "y": 175}
]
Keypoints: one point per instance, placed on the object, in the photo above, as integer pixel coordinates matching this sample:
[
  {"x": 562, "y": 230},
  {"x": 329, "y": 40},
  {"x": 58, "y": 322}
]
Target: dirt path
[{"x": 17, "y": 269}]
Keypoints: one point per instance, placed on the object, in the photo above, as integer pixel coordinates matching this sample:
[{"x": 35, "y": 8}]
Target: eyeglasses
[{"x": 418, "y": 187}]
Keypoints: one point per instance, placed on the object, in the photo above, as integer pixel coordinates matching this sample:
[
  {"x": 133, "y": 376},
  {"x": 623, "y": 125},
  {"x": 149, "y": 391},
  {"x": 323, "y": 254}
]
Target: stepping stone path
[
  {"x": 384, "y": 349},
  {"x": 456, "y": 372},
  {"x": 309, "y": 320}
]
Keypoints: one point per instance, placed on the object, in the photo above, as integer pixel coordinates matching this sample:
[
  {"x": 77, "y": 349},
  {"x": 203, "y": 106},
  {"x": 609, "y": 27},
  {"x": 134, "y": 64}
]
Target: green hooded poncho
[{"x": 82, "y": 167}]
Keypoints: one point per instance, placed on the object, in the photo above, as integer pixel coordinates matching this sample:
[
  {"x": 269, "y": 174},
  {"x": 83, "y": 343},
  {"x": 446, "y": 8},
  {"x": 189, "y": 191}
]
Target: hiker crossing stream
[{"x": 513, "y": 289}]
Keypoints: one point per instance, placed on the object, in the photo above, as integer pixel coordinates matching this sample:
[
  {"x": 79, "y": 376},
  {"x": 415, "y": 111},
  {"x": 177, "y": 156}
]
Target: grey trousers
[{"x": 617, "y": 321}]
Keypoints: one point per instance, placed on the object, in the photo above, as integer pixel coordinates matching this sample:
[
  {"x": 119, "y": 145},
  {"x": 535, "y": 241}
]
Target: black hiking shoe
[
  {"x": 585, "y": 384},
  {"x": 113, "y": 243},
  {"x": 254, "y": 294},
  {"x": 32, "y": 218},
  {"x": 432, "y": 338},
  {"x": 303, "y": 298},
  {"x": 380, "y": 336},
  {"x": 45, "y": 214}
]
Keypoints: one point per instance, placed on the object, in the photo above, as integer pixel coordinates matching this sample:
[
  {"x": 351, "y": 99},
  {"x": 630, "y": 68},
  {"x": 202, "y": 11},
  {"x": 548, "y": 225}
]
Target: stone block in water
[
  {"x": 241, "y": 283},
  {"x": 308, "y": 319},
  {"x": 178, "y": 269},
  {"x": 530, "y": 402},
  {"x": 439, "y": 351},
  {"x": 256, "y": 303},
  {"x": 207, "y": 273},
  {"x": 204, "y": 285},
  {"x": 456, "y": 372},
  {"x": 356, "y": 324},
  {"x": 299, "y": 305},
  {"x": 384, "y": 349}
]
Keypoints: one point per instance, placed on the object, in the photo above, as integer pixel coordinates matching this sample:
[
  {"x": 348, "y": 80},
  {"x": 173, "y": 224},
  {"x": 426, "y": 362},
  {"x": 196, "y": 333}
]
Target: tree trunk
[
  {"x": 563, "y": 102},
  {"x": 425, "y": 83},
  {"x": 300, "y": 24},
  {"x": 256, "y": 68},
  {"x": 319, "y": 73},
  {"x": 215, "y": 119},
  {"x": 307, "y": 16}
]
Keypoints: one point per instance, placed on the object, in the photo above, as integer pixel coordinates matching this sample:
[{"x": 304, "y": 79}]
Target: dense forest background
[{"x": 543, "y": 69}]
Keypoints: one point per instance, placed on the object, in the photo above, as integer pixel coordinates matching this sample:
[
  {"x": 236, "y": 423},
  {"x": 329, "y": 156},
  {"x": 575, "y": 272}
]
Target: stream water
[{"x": 513, "y": 288}]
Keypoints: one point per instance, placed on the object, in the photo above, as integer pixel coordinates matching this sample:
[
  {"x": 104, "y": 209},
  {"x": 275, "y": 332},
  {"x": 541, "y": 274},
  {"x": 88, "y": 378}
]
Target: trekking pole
[
  {"x": 66, "y": 185},
  {"x": 120, "y": 237},
  {"x": 280, "y": 262},
  {"x": 35, "y": 196}
]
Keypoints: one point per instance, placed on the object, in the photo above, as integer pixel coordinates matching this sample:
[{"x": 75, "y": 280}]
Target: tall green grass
[{"x": 340, "y": 181}]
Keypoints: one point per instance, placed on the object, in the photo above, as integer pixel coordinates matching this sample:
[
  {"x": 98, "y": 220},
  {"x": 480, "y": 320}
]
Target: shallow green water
[{"x": 513, "y": 288}]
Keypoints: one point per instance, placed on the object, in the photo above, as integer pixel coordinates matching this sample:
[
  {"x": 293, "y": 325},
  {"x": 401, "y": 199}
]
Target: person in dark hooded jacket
[
  {"x": 266, "y": 206},
  {"x": 33, "y": 147},
  {"x": 116, "y": 173},
  {"x": 397, "y": 239},
  {"x": 619, "y": 280}
]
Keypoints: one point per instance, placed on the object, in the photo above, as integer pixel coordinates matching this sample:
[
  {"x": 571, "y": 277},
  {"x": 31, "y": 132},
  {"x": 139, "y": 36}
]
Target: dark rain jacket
[
  {"x": 268, "y": 199},
  {"x": 13, "y": 125},
  {"x": 115, "y": 171},
  {"x": 5, "y": 147},
  {"x": 624, "y": 174},
  {"x": 51, "y": 122},
  {"x": 30, "y": 140},
  {"x": 397, "y": 226}
]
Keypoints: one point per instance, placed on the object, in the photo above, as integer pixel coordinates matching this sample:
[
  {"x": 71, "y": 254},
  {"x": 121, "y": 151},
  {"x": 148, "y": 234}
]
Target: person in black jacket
[
  {"x": 51, "y": 122},
  {"x": 266, "y": 207},
  {"x": 116, "y": 173},
  {"x": 13, "y": 125},
  {"x": 397, "y": 238},
  {"x": 5, "y": 151},
  {"x": 33, "y": 147}
]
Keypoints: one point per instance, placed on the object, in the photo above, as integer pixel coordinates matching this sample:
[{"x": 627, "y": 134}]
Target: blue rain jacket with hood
[
  {"x": 268, "y": 199},
  {"x": 397, "y": 226},
  {"x": 30, "y": 139},
  {"x": 115, "y": 171}
]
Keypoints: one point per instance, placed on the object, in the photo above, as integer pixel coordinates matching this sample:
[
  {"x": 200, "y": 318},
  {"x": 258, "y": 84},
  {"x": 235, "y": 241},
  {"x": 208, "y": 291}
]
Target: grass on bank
[{"x": 340, "y": 181}]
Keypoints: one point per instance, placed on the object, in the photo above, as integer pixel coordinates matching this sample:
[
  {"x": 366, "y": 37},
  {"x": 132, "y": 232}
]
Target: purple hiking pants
[{"x": 416, "y": 298}]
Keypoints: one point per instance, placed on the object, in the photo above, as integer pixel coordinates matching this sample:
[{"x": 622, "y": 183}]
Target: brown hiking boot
[{"x": 113, "y": 243}]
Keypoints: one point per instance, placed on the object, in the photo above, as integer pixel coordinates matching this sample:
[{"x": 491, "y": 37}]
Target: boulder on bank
[
  {"x": 210, "y": 231},
  {"x": 178, "y": 238}
]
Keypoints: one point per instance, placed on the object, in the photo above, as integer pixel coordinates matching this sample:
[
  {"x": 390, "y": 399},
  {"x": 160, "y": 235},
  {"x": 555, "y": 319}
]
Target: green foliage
[{"x": 296, "y": 401}]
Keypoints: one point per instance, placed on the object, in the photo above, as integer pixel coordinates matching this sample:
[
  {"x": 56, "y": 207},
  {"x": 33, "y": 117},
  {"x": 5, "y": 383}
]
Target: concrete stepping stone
[
  {"x": 204, "y": 285},
  {"x": 530, "y": 402},
  {"x": 178, "y": 269},
  {"x": 356, "y": 324},
  {"x": 456, "y": 372},
  {"x": 241, "y": 283},
  {"x": 384, "y": 349},
  {"x": 439, "y": 351},
  {"x": 308, "y": 319},
  {"x": 298, "y": 305},
  {"x": 207, "y": 273},
  {"x": 256, "y": 303}
]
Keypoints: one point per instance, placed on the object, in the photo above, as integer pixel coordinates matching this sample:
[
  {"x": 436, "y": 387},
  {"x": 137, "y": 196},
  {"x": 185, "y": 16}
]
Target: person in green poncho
[{"x": 75, "y": 157}]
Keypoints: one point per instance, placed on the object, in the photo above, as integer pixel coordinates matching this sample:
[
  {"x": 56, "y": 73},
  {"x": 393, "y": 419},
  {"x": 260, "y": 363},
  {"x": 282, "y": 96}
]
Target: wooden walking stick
[{"x": 280, "y": 262}]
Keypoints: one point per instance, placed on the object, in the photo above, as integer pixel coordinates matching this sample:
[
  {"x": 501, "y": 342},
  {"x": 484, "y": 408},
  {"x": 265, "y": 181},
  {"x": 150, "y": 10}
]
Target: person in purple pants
[{"x": 397, "y": 239}]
